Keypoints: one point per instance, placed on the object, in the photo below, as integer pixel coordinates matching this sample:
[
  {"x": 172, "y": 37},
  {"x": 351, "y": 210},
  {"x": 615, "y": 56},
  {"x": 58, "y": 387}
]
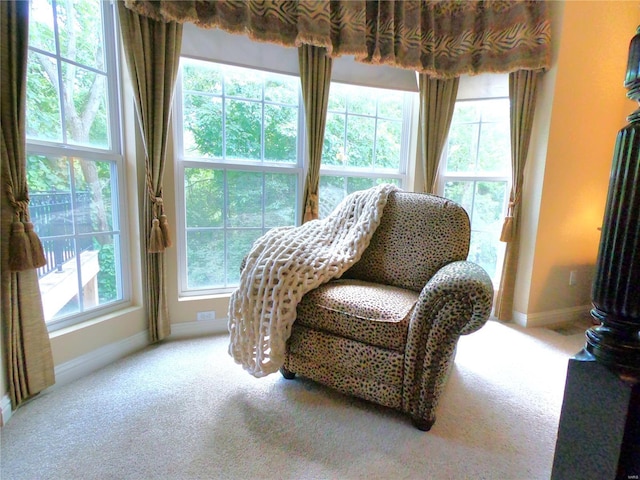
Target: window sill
[
  {"x": 208, "y": 296},
  {"x": 94, "y": 321}
]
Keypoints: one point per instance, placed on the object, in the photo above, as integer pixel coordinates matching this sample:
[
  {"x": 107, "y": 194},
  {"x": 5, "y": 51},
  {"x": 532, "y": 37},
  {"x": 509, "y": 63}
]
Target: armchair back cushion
[{"x": 418, "y": 234}]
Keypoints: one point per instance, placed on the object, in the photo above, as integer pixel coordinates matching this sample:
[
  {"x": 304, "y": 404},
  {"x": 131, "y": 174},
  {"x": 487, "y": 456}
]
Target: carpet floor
[{"x": 183, "y": 409}]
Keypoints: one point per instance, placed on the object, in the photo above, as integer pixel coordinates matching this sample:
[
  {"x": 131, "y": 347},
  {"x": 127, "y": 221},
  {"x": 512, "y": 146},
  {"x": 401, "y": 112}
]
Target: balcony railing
[{"x": 56, "y": 219}]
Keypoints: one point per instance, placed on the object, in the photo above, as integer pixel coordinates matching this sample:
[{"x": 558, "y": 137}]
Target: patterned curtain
[
  {"x": 437, "y": 101},
  {"x": 522, "y": 93},
  {"x": 442, "y": 38},
  {"x": 28, "y": 351},
  {"x": 315, "y": 76},
  {"x": 152, "y": 50}
]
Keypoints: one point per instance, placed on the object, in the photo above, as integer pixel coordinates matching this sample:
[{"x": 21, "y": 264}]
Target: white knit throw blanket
[{"x": 287, "y": 262}]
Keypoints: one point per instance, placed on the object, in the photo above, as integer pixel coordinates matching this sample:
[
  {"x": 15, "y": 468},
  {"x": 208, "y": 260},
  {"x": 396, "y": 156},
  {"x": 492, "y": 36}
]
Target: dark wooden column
[{"x": 599, "y": 432}]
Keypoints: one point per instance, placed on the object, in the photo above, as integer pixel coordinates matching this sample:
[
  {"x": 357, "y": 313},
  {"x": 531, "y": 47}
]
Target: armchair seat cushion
[{"x": 370, "y": 313}]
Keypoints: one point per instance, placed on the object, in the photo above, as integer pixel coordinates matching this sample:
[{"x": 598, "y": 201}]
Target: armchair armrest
[
  {"x": 456, "y": 301},
  {"x": 463, "y": 283}
]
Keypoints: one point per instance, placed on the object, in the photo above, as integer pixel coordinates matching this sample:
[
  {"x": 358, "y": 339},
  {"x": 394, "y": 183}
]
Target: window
[
  {"x": 477, "y": 174},
  {"x": 240, "y": 173},
  {"x": 365, "y": 142},
  {"x": 74, "y": 160}
]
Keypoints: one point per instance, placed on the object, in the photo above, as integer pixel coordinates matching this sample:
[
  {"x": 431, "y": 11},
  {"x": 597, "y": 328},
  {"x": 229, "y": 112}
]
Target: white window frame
[
  {"x": 182, "y": 163},
  {"x": 401, "y": 174},
  {"x": 113, "y": 155},
  {"x": 444, "y": 177}
]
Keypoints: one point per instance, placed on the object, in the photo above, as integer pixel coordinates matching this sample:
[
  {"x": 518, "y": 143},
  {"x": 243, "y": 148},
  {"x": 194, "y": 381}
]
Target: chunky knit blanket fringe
[{"x": 287, "y": 262}]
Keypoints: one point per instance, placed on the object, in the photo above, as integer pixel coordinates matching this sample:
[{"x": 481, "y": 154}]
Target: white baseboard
[
  {"x": 96, "y": 359},
  {"x": 5, "y": 410},
  {"x": 551, "y": 317},
  {"x": 196, "y": 329}
]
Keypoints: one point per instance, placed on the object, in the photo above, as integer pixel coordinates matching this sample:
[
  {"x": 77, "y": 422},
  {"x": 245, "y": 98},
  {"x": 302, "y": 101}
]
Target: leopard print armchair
[{"x": 387, "y": 330}]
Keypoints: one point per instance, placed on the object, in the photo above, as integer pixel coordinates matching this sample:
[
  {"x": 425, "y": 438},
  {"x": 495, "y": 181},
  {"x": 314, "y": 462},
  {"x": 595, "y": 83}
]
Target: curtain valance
[{"x": 442, "y": 38}]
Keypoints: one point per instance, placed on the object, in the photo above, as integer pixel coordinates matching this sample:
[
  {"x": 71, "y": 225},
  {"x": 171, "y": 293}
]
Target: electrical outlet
[
  {"x": 206, "y": 316},
  {"x": 573, "y": 277}
]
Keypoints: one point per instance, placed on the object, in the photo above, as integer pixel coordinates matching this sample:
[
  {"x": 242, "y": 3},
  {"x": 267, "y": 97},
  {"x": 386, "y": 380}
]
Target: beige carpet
[{"x": 184, "y": 410}]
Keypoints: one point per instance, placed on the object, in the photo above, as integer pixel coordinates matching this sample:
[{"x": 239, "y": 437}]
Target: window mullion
[
  {"x": 76, "y": 237},
  {"x": 60, "y": 86},
  {"x": 375, "y": 137}
]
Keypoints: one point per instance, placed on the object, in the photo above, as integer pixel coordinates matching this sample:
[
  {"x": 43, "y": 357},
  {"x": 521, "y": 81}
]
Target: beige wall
[{"x": 584, "y": 103}]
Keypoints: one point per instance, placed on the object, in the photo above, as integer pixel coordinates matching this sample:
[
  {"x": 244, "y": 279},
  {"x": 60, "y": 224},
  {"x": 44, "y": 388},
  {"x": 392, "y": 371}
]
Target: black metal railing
[{"x": 57, "y": 218}]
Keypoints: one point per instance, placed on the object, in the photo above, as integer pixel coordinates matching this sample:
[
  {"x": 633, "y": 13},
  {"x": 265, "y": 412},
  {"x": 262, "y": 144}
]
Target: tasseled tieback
[
  {"x": 159, "y": 238},
  {"x": 311, "y": 208},
  {"x": 507, "y": 233},
  {"x": 25, "y": 249}
]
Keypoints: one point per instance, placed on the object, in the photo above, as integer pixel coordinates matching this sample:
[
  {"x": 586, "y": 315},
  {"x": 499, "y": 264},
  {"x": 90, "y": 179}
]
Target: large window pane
[
  {"x": 239, "y": 244},
  {"x": 488, "y": 206},
  {"x": 360, "y": 141},
  {"x": 41, "y": 26},
  {"x": 205, "y": 259},
  {"x": 281, "y": 195},
  {"x": 388, "y": 144},
  {"x": 462, "y": 147},
  {"x": 477, "y": 168},
  {"x": 94, "y": 190},
  {"x": 59, "y": 287},
  {"x": 202, "y": 77},
  {"x": 71, "y": 209},
  {"x": 281, "y": 89},
  {"x": 333, "y": 189},
  {"x": 204, "y": 197},
  {"x": 358, "y": 100},
  {"x": 44, "y": 121},
  {"x": 243, "y": 124},
  {"x": 245, "y": 199},
  {"x": 281, "y": 133},
  {"x": 391, "y": 105},
  {"x": 494, "y": 152},
  {"x": 238, "y": 114},
  {"x": 484, "y": 251},
  {"x": 243, "y": 83},
  {"x": 202, "y": 126},
  {"x": 334, "y": 140},
  {"x": 85, "y": 107},
  {"x": 240, "y": 145},
  {"x": 364, "y": 142},
  {"x": 80, "y": 26},
  {"x": 461, "y": 192},
  {"x": 466, "y": 112}
]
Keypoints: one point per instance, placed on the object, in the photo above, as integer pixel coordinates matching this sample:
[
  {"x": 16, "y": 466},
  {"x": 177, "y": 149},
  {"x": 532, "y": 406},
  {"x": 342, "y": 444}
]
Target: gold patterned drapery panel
[{"x": 442, "y": 38}]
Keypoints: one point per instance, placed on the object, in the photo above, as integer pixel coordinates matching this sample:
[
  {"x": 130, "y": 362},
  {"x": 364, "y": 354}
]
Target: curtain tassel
[
  {"x": 164, "y": 226},
  {"x": 156, "y": 241},
  {"x": 507, "y": 229},
  {"x": 37, "y": 251},
  {"x": 19, "y": 250},
  {"x": 311, "y": 208}
]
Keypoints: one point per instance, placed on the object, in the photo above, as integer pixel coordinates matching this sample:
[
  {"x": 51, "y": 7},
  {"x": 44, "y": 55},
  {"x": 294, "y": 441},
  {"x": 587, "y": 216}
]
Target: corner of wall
[{"x": 535, "y": 168}]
